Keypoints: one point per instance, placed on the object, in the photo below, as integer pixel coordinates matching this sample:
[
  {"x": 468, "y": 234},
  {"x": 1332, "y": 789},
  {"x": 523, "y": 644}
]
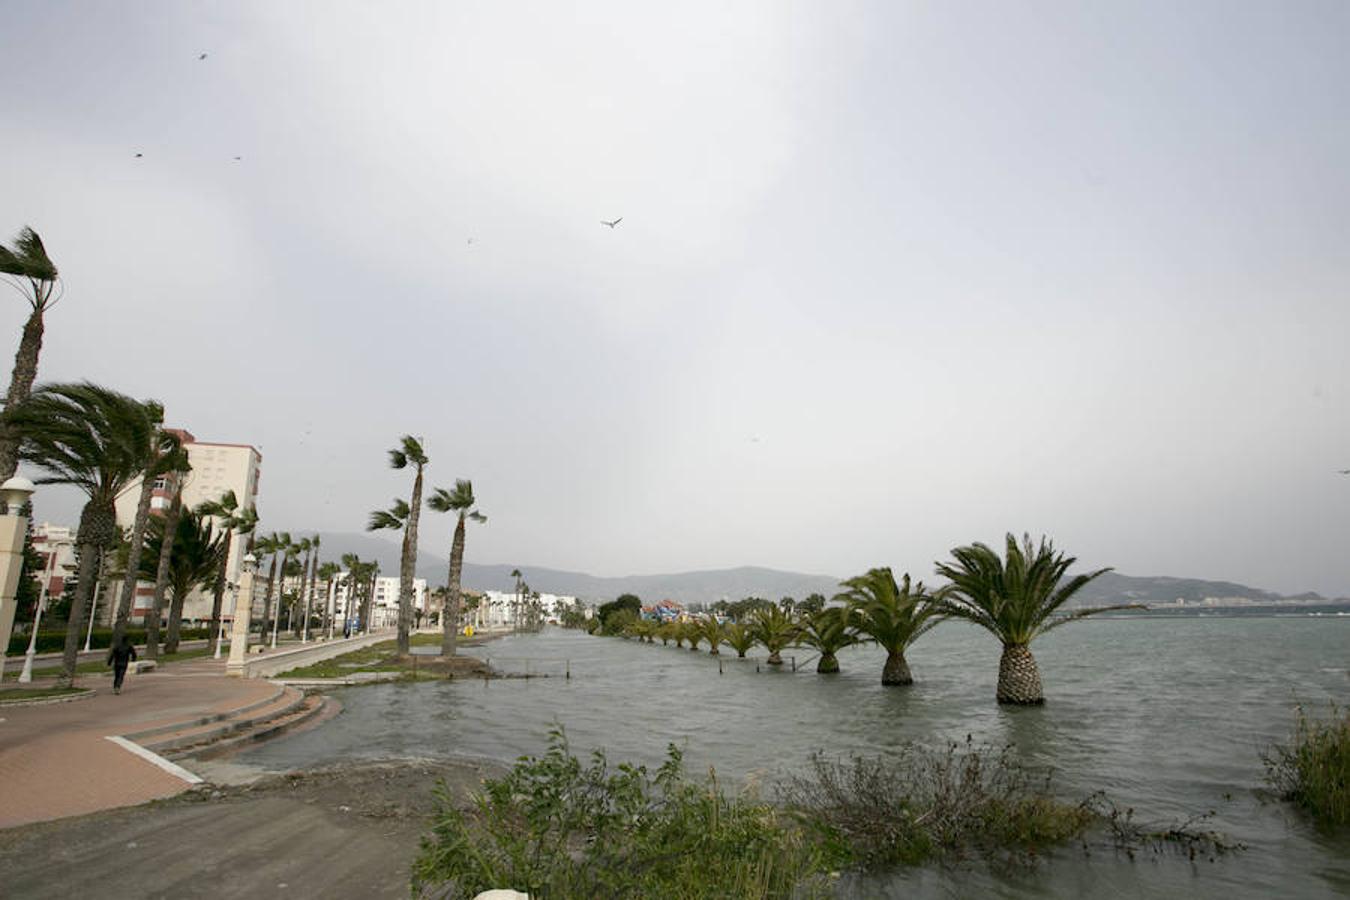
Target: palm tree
[
  {"x": 34, "y": 275},
  {"x": 313, "y": 580},
  {"x": 712, "y": 632},
  {"x": 692, "y": 633},
  {"x": 287, "y": 551},
  {"x": 1015, "y": 600},
  {"x": 327, "y": 572},
  {"x": 891, "y": 615},
  {"x": 827, "y": 631},
  {"x": 94, "y": 439},
  {"x": 515, "y": 604},
  {"x": 164, "y": 454},
  {"x": 773, "y": 627},
  {"x": 305, "y": 548},
  {"x": 230, "y": 518},
  {"x": 176, "y": 475},
  {"x": 350, "y": 561},
  {"x": 409, "y": 452},
  {"x": 460, "y": 501},
  {"x": 273, "y": 544},
  {"x": 194, "y": 559},
  {"x": 739, "y": 638}
]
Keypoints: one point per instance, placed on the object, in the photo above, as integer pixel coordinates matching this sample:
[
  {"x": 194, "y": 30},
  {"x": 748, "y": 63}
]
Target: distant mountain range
[{"x": 746, "y": 581}]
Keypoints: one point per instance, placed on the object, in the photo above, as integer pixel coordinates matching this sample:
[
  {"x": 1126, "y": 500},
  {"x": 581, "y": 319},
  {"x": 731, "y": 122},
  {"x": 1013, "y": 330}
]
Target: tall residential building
[
  {"x": 216, "y": 468},
  {"x": 384, "y": 608}
]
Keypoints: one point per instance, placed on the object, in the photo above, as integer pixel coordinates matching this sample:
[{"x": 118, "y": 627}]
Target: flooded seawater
[{"x": 1166, "y": 715}]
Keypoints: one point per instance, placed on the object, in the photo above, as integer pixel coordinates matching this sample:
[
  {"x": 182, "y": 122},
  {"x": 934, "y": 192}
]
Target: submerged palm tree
[
  {"x": 773, "y": 627},
  {"x": 34, "y": 275},
  {"x": 827, "y": 631},
  {"x": 460, "y": 501},
  {"x": 891, "y": 615},
  {"x": 92, "y": 438},
  {"x": 712, "y": 632},
  {"x": 1015, "y": 600},
  {"x": 739, "y": 637}
]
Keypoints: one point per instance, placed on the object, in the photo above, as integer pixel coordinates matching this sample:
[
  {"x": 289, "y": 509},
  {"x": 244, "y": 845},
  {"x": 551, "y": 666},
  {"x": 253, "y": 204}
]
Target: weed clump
[
  {"x": 554, "y": 827},
  {"x": 1313, "y": 769}
]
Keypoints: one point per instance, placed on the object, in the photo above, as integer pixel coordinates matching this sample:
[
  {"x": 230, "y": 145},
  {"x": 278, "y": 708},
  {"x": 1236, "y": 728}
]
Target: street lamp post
[
  {"x": 243, "y": 614},
  {"x": 14, "y": 493},
  {"x": 26, "y": 675},
  {"x": 98, "y": 589}
]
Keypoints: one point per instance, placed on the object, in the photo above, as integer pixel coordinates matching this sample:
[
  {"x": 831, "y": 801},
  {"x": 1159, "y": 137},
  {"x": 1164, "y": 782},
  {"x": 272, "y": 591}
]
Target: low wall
[{"x": 274, "y": 662}]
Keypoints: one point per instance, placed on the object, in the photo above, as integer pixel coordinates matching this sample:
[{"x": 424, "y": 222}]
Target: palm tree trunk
[
  {"x": 1019, "y": 680},
  {"x": 450, "y": 615},
  {"x": 408, "y": 566},
  {"x": 127, "y": 601},
  {"x": 218, "y": 595},
  {"x": 267, "y": 600},
  {"x": 20, "y": 386},
  {"x": 828, "y": 665},
  {"x": 774, "y": 658},
  {"x": 309, "y": 595},
  {"x": 98, "y": 529},
  {"x": 175, "y": 630},
  {"x": 162, "y": 574},
  {"x": 299, "y": 598},
  {"x": 896, "y": 670}
]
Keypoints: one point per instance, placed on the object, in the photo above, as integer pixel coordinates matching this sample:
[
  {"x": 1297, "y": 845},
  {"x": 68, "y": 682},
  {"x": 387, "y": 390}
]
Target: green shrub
[
  {"x": 55, "y": 641},
  {"x": 1313, "y": 770},
  {"x": 554, "y": 827}
]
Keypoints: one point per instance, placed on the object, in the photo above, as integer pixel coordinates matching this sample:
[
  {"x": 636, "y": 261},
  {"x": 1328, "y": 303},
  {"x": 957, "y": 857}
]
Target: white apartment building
[
  {"x": 498, "y": 608},
  {"x": 216, "y": 468},
  {"x": 384, "y": 605},
  {"x": 56, "y": 545}
]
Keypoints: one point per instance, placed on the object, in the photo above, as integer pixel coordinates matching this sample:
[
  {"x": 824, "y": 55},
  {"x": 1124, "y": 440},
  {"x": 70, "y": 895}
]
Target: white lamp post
[
  {"x": 26, "y": 675},
  {"x": 243, "y": 614},
  {"x": 98, "y": 589},
  {"x": 14, "y": 493},
  {"x": 234, "y": 610}
]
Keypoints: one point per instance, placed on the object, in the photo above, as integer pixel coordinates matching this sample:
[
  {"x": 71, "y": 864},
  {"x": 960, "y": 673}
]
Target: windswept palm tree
[
  {"x": 306, "y": 548},
  {"x": 459, "y": 501},
  {"x": 773, "y": 627},
  {"x": 274, "y": 545},
  {"x": 739, "y": 637},
  {"x": 176, "y": 475},
  {"x": 1015, "y": 600},
  {"x": 327, "y": 573},
  {"x": 194, "y": 560},
  {"x": 231, "y": 517},
  {"x": 92, "y": 438},
  {"x": 828, "y": 632},
  {"x": 314, "y": 542},
  {"x": 164, "y": 454},
  {"x": 409, "y": 452},
  {"x": 692, "y": 633},
  {"x": 350, "y": 562},
  {"x": 32, "y": 273},
  {"x": 891, "y": 615}
]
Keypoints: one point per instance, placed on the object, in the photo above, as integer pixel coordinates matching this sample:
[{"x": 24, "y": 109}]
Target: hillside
[{"x": 744, "y": 581}]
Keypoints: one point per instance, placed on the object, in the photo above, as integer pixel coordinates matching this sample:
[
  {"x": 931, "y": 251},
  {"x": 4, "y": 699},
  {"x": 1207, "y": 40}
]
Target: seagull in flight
[
  {"x": 612, "y": 224},
  {"x": 202, "y": 57},
  {"x": 139, "y": 155},
  {"x": 1344, "y": 471}
]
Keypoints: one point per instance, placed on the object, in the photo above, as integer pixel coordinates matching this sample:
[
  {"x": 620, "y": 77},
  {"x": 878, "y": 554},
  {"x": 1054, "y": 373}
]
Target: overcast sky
[{"x": 891, "y": 277}]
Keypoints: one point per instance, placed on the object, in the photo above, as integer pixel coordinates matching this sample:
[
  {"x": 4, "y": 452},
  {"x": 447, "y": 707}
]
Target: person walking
[{"x": 120, "y": 656}]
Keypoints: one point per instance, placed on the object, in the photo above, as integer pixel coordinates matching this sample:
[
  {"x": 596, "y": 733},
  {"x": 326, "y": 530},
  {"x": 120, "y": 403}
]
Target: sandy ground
[{"x": 346, "y": 832}]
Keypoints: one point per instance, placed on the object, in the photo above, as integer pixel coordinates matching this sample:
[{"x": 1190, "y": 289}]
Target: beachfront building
[
  {"x": 56, "y": 545},
  {"x": 216, "y": 468},
  {"x": 384, "y": 606},
  {"x": 503, "y": 609}
]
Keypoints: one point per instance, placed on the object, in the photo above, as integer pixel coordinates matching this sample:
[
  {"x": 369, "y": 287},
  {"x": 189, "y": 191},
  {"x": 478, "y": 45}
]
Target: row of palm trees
[
  {"x": 404, "y": 515},
  {"x": 1016, "y": 598}
]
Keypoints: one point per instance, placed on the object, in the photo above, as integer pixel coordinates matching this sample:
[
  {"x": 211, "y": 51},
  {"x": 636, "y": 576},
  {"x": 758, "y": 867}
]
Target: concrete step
[
  {"x": 285, "y": 702},
  {"x": 140, "y": 736},
  {"x": 311, "y": 708}
]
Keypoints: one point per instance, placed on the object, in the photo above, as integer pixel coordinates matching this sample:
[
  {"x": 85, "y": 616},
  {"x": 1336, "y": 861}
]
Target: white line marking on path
[{"x": 150, "y": 756}]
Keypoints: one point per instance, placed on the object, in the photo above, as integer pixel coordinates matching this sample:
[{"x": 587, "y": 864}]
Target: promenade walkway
[{"x": 56, "y": 760}]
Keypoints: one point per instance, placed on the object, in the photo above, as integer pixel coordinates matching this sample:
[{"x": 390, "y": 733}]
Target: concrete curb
[{"x": 84, "y": 694}]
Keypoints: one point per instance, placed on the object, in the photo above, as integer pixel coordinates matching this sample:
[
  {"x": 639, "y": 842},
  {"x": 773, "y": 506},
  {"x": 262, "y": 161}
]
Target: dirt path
[{"x": 348, "y": 832}]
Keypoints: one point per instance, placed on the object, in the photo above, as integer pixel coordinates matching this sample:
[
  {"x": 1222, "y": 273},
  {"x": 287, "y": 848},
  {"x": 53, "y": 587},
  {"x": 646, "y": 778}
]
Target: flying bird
[
  {"x": 139, "y": 155},
  {"x": 1344, "y": 471},
  {"x": 612, "y": 224},
  {"x": 202, "y": 57},
  {"x": 237, "y": 158},
  {"x": 470, "y": 240}
]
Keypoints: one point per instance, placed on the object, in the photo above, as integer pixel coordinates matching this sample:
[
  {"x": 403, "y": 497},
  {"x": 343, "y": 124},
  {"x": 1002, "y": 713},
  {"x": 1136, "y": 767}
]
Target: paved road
[{"x": 55, "y": 760}]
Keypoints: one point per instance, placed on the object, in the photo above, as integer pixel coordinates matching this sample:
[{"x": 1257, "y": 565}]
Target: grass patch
[
  {"x": 1313, "y": 769},
  {"x": 375, "y": 658},
  {"x": 555, "y": 827}
]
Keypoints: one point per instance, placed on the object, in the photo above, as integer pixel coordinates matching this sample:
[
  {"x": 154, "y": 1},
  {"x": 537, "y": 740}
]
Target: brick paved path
[{"x": 55, "y": 760}]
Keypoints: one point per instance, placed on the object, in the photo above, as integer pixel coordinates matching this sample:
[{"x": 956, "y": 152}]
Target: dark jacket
[{"x": 121, "y": 655}]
